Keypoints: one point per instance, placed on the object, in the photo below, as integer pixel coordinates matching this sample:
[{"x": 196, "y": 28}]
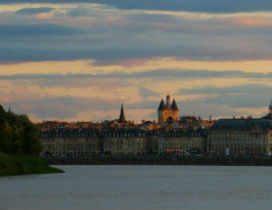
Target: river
[{"x": 141, "y": 187}]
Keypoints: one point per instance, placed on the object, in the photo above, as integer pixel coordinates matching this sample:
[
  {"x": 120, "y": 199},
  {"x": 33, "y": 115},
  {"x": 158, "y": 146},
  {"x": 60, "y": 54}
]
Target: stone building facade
[
  {"x": 87, "y": 143},
  {"x": 240, "y": 137},
  {"x": 227, "y": 137},
  {"x": 124, "y": 141},
  {"x": 70, "y": 142},
  {"x": 182, "y": 142}
]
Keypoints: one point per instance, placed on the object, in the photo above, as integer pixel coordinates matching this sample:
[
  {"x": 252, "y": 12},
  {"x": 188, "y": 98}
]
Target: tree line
[{"x": 18, "y": 135}]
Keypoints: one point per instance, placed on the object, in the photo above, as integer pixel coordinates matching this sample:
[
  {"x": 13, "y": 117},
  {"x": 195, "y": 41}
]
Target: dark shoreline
[
  {"x": 11, "y": 165},
  {"x": 266, "y": 162}
]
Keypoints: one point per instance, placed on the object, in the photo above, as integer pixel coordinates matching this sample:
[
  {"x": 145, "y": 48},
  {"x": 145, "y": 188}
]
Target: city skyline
[
  {"x": 172, "y": 113},
  {"x": 135, "y": 104},
  {"x": 80, "y": 61}
]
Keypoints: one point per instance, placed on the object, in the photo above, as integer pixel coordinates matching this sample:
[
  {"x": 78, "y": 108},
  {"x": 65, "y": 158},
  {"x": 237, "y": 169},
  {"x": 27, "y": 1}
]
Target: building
[
  {"x": 170, "y": 135},
  {"x": 124, "y": 141},
  {"x": 88, "y": 142},
  {"x": 121, "y": 122},
  {"x": 240, "y": 137},
  {"x": 182, "y": 142},
  {"x": 192, "y": 122},
  {"x": 269, "y": 115},
  {"x": 116, "y": 137},
  {"x": 189, "y": 122},
  {"x": 168, "y": 114},
  {"x": 70, "y": 143},
  {"x": 148, "y": 125}
]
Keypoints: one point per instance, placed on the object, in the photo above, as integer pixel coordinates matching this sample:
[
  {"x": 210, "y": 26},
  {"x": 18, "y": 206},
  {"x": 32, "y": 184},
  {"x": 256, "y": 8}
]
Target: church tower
[
  {"x": 168, "y": 113},
  {"x": 122, "y": 117}
]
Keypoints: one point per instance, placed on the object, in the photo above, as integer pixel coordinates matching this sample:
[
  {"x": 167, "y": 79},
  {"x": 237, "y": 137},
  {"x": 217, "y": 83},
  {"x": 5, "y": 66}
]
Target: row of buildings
[
  {"x": 170, "y": 135},
  {"x": 88, "y": 142}
]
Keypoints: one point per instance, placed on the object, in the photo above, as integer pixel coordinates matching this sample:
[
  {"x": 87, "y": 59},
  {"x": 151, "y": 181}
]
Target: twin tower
[{"x": 168, "y": 113}]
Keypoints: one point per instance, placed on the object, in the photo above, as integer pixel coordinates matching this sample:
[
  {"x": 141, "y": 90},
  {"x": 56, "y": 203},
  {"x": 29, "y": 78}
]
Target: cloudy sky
[{"x": 80, "y": 61}]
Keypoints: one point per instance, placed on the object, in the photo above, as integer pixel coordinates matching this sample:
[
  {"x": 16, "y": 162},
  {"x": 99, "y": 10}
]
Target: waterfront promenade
[{"x": 170, "y": 160}]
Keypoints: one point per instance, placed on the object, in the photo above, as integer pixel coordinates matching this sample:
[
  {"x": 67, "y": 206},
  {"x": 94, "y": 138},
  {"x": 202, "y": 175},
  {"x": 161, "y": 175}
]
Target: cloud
[
  {"x": 8, "y": 32},
  {"x": 253, "y": 22},
  {"x": 62, "y": 107},
  {"x": 34, "y": 11},
  {"x": 226, "y": 90},
  {"x": 45, "y": 15},
  {"x": 159, "y": 73},
  {"x": 212, "y": 6},
  {"x": 78, "y": 12},
  {"x": 101, "y": 32},
  {"x": 50, "y": 100},
  {"x": 240, "y": 96},
  {"x": 70, "y": 61},
  {"x": 146, "y": 93},
  {"x": 205, "y": 109}
]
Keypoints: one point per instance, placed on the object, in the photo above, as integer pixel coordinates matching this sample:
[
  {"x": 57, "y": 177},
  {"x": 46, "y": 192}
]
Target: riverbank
[
  {"x": 185, "y": 161},
  {"x": 22, "y": 164}
]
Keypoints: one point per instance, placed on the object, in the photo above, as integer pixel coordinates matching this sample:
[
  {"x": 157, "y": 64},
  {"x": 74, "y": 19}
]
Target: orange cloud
[
  {"x": 256, "y": 22},
  {"x": 256, "y": 111},
  {"x": 131, "y": 66},
  {"x": 122, "y": 62},
  {"x": 45, "y": 15}
]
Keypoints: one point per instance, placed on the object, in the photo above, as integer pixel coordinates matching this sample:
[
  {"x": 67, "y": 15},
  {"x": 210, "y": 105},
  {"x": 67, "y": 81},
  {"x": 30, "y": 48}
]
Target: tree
[
  {"x": 18, "y": 134},
  {"x": 31, "y": 142},
  {"x": 5, "y": 136}
]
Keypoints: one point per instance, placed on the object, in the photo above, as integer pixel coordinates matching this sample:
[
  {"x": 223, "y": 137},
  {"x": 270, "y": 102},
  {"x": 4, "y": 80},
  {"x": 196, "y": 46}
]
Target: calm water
[{"x": 141, "y": 187}]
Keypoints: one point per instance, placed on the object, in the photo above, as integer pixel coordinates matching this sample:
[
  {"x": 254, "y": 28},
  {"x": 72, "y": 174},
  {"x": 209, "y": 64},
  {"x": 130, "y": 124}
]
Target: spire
[
  {"x": 122, "y": 115},
  {"x": 168, "y": 105},
  {"x": 174, "y": 105},
  {"x": 161, "y": 106},
  {"x": 270, "y": 108}
]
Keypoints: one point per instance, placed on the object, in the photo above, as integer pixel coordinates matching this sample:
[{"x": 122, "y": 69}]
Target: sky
[{"x": 80, "y": 60}]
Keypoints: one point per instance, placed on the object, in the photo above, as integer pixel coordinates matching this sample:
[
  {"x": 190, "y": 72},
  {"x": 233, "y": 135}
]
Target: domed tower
[{"x": 168, "y": 113}]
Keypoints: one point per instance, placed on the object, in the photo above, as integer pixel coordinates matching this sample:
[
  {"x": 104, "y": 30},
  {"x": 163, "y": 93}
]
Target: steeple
[
  {"x": 168, "y": 103},
  {"x": 270, "y": 108},
  {"x": 174, "y": 105},
  {"x": 122, "y": 117},
  {"x": 161, "y": 106}
]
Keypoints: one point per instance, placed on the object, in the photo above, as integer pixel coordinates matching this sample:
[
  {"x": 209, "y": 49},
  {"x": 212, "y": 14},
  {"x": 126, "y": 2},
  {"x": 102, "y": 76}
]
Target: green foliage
[
  {"x": 18, "y": 135},
  {"x": 5, "y": 136},
  {"x": 24, "y": 164},
  {"x": 19, "y": 143}
]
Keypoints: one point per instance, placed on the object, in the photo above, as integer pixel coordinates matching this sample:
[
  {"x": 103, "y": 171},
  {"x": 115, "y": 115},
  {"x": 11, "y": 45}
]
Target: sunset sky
[{"x": 80, "y": 61}]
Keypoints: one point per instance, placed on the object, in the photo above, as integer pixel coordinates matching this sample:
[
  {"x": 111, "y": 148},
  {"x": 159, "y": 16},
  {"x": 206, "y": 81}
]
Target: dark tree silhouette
[{"x": 18, "y": 135}]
